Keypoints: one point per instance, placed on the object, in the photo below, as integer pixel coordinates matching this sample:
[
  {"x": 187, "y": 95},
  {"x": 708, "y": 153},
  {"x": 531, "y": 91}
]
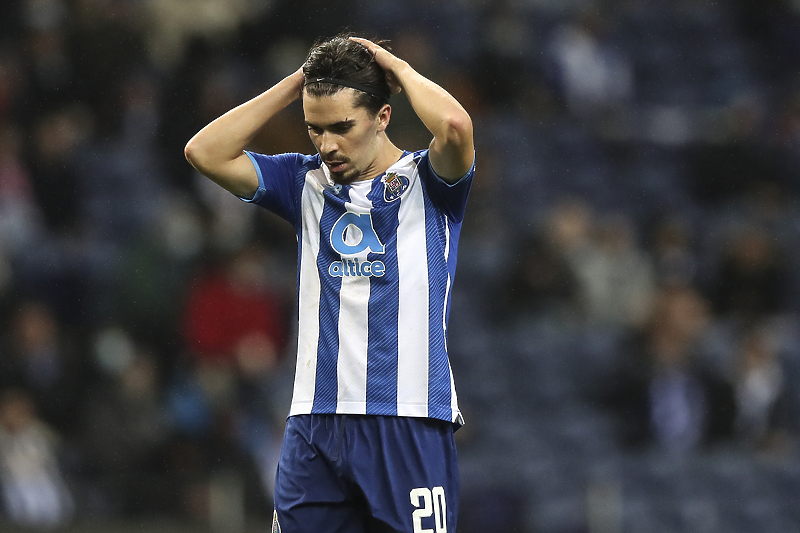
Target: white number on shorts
[{"x": 433, "y": 503}]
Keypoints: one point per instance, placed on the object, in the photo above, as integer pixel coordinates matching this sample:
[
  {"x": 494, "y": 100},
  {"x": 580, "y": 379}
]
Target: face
[{"x": 346, "y": 137}]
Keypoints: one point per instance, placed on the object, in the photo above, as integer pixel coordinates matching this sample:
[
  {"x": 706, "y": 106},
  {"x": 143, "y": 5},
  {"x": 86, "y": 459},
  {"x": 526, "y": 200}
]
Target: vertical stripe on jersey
[
  {"x": 413, "y": 308},
  {"x": 354, "y": 295},
  {"x": 452, "y": 247},
  {"x": 438, "y": 366},
  {"x": 352, "y": 358},
  {"x": 307, "y": 302},
  {"x": 448, "y": 283},
  {"x": 384, "y": 301},
  {"x": 454, "y": 232},
  {"x": 455, "y": 413},
  {"x": 325, "y": 395},
  {"x": 445, "y": 313}
]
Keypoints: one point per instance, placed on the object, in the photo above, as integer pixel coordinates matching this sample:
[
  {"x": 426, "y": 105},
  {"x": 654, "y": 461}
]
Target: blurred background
[{"x": 624, "y": 334}]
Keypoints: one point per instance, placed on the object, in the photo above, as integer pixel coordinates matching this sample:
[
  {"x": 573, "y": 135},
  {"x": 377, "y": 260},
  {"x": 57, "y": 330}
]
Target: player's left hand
[{"x": 389, "y": 62}]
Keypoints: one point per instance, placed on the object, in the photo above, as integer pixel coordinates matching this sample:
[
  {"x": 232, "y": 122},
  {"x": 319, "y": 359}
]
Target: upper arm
[
  {"x": 280, "y": 182},
  {"x": 448, "y": 195},
  {"x": 452, "y": 153},
  {"x": 237, "y": 176}
]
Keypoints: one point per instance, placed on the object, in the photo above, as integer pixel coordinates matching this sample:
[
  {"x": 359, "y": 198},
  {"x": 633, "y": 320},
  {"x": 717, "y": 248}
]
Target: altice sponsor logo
[
  {"x": 354, "y": 267},
  {"x": 354, "y": 234}
]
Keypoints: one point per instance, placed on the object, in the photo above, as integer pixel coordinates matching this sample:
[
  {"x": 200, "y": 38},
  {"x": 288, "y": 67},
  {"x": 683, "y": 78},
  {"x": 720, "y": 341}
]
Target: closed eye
[
  {"x": 338, "y": 128},
  {"x": 342, "y": 127}
]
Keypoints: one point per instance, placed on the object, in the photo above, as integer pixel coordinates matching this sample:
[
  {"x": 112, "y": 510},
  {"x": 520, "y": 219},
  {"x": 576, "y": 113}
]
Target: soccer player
[{"x": 368, "y": 445}]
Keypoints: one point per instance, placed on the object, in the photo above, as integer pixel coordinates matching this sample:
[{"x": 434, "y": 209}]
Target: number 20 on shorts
[{"x": 429, "y": 502}]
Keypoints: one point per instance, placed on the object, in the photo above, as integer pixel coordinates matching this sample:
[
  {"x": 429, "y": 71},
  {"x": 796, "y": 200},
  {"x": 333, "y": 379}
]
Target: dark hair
[{"x": 341, "y": 58}]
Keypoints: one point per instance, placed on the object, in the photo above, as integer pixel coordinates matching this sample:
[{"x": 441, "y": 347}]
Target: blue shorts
[{"x": 365, "y": 474}]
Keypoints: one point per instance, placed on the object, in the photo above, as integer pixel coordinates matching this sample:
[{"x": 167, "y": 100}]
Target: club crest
[
  {"x": 394, "y": 186},
  {"x": 276, "y": 527}
]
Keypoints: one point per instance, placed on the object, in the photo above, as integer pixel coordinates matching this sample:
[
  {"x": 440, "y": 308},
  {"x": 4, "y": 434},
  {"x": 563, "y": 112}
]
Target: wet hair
[{"x": 336, "y": 63}]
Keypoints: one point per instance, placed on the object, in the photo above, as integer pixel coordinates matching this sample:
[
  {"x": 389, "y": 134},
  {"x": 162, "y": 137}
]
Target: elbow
[
  {"x": 199, "y": 156},
  {"x": 191, "y": 152},
  {"x": 459, "y": 129}
]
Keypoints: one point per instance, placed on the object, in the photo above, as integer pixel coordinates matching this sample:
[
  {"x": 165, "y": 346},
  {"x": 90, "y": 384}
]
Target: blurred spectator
[
  {"x": 665, "y": 394},
  {"x": 41, "y": 359},
  {"x": 44, "y": 14},
  {"x": 235, "y": 332},
  {"x": 569, "y": 225},
  {"x": 616, "y": 278},
  {"x": 51, "y": 73},
  {"x": 124, "y": 429},
  {"x": 752, "y": 280},
  {"x": 20, "y": 218},
  {"x": 121, "y": 176},
  {"x": 592, "y": 73},
  {"x": 100, "y": 70},
  {"x": 19, "y": 213},
  {"x": 54, "y": 174},
  {"x": 221, "y": 424},
  {"x": 675, "y": 261},
  {"x": 12, "y": 83},
  {"x": 150, "y": 285},
  {"x": 173, "y": 23},
  {"x": 34, "y": 491},
  {"x": 762, "y": 410},
  {"x": 232, "y": 315},
  {"x": 540, "y": 281}
]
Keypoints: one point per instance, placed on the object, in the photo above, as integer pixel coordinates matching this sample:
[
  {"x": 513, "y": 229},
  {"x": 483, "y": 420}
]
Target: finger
[
  {"x": 362, "y": 41},
  {"x": 369, "y": 45}
]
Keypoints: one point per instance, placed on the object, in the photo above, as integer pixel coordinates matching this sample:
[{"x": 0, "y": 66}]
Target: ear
[{"x": 383, "y": 117}]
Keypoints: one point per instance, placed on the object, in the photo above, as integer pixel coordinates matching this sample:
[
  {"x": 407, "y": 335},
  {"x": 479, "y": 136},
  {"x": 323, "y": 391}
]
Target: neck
[{"x": 388, "y": 155}]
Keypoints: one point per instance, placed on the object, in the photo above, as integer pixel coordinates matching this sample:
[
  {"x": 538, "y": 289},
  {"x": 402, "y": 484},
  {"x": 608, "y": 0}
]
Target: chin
[{"x": 345, "y": 179}]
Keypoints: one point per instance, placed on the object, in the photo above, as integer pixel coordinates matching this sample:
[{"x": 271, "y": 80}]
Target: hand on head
[{"x": 387, "y": 61}]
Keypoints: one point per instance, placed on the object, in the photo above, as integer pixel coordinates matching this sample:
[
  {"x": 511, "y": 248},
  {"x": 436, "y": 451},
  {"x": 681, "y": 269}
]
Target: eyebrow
[{"x": 341, "y": 123}]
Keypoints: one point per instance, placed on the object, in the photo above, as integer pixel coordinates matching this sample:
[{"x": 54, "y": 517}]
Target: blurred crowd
[{"x": 638, "y": 169}]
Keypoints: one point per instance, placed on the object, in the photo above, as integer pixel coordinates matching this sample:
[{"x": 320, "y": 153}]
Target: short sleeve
[
  {"x": 451, "y": 197},
  {"x": 279, "y": 183}
]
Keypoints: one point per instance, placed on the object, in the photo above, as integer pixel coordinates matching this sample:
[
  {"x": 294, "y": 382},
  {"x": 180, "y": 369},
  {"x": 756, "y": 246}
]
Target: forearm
[
  {"x": 224, "y": 139},
  {"x": 438, "y": 110},
  {"x": 452, "y": 148}
]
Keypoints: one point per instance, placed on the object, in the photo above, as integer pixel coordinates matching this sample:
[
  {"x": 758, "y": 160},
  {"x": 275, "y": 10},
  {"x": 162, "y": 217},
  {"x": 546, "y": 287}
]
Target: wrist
[
  {"x": 293, "y": 85},
  {"x": 400, "y": 68}
]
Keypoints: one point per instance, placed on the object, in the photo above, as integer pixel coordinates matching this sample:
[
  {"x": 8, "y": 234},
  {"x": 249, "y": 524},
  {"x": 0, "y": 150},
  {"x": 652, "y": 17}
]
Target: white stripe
[
  {"x": 308, "y": 301},
  {"x": 352, "y": 373},
  {"x": 449, "y": 281},
  {"x": 455, "y": 413},
  {"x": 353, "y": 324},
  {"x": 413, "y": 334}
]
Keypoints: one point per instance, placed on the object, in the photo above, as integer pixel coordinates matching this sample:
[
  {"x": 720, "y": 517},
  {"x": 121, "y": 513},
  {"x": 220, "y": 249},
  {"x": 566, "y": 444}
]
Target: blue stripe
[
  {"x": 327, "y": 387},
  {"x": 438, "y": 367},
  {"x": 383, "y": 311}
]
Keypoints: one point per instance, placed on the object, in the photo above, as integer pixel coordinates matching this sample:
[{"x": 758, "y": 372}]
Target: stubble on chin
[{"x": 345, "y": 178}]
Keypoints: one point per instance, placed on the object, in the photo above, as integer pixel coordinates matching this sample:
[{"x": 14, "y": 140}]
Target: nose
[{"x": 327, "y": 144}]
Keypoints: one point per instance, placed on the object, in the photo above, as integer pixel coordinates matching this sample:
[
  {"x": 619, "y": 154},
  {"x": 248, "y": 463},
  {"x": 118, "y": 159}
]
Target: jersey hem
[
  {"x": 260, "y": 191},
  {"x": 306, "y": 408}
]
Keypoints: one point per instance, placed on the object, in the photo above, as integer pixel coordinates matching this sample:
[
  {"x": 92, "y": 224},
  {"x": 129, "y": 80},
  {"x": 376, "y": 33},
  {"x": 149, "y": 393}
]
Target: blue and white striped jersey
[{"x": 376, "y": 261}]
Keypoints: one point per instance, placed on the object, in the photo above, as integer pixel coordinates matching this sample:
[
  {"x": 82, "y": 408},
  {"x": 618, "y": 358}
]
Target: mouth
[{"x": 336, "y": 166}]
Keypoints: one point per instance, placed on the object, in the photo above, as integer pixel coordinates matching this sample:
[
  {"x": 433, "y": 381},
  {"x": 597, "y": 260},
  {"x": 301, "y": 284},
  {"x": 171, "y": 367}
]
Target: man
[{"x": 369, "y": 442}]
